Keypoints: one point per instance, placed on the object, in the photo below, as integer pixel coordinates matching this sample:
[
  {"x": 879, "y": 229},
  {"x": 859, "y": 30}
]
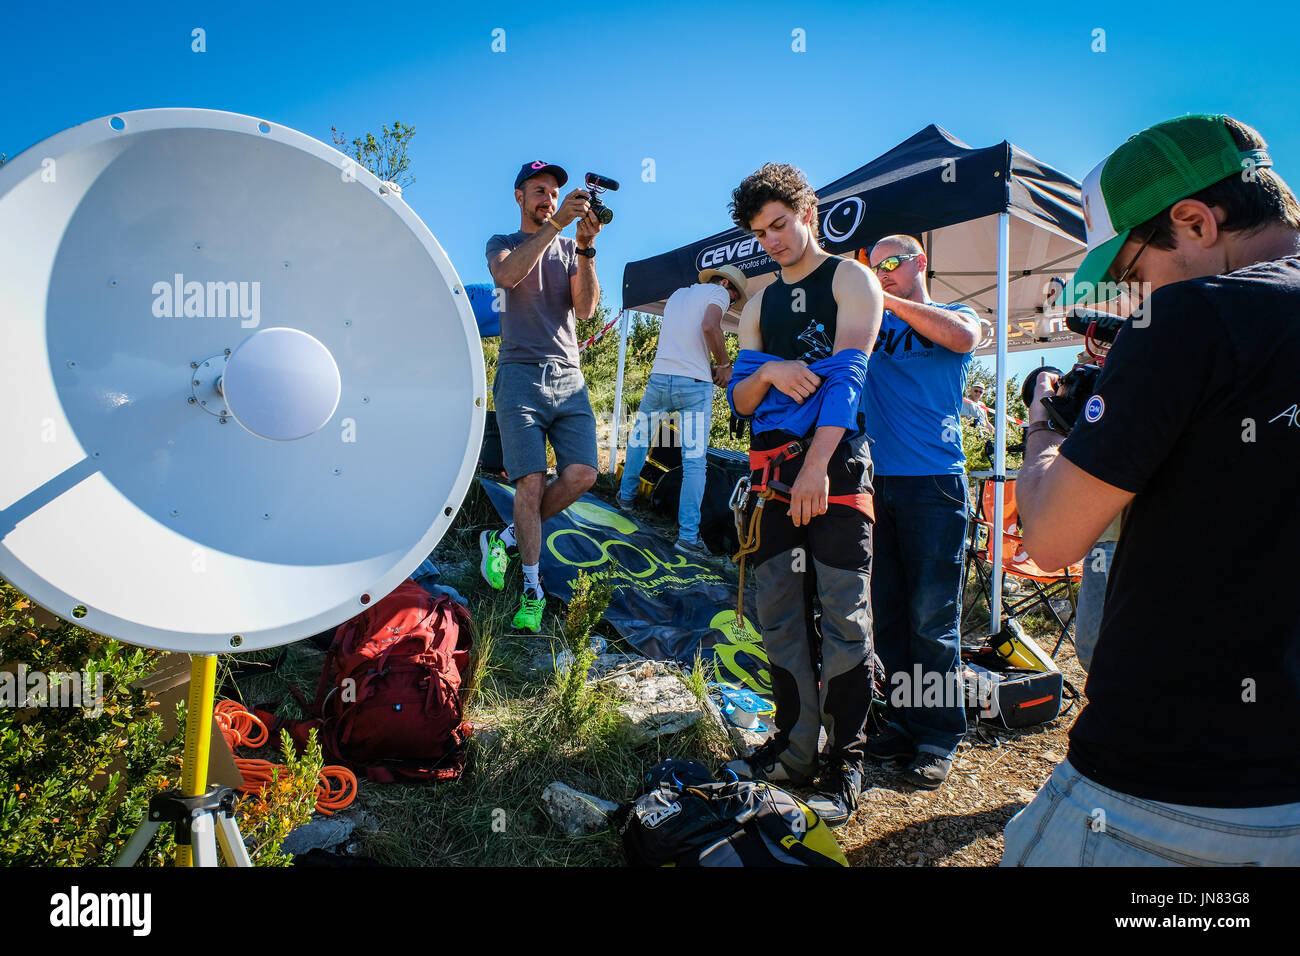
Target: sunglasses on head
[{"x": 893, "y": 262}]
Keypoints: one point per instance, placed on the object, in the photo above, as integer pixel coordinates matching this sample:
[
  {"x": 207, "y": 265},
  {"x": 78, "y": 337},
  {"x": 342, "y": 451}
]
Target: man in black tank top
[{"x": 819, "y": 306}]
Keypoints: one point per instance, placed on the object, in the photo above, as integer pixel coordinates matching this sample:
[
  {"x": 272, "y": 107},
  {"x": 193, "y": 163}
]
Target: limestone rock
[
  {"x": 323, "y": 833},
  {"x": 574, "y": 812},
  {"x": 658, "y": 702}
]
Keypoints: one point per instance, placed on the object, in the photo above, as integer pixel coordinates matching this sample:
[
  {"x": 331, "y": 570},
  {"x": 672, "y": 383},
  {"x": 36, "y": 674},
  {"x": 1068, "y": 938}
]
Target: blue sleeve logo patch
[{"x": 1095, "y": 408}]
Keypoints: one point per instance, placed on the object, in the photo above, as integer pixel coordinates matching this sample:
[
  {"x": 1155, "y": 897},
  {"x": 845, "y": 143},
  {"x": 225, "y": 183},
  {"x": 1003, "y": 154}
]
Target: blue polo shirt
[{"x": 912, "y": 400}]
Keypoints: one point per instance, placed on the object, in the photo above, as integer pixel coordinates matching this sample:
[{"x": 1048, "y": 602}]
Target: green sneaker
[
  {"x": 529, "y": 615},
  {"x": 495, "y": 560}
]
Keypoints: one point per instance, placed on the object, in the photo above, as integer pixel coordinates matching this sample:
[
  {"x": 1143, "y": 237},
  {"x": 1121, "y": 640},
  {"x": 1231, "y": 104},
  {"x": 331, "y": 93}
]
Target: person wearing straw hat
[
  {"x": 681, "y": 385},
  {"x": 1186, "y": 752}
]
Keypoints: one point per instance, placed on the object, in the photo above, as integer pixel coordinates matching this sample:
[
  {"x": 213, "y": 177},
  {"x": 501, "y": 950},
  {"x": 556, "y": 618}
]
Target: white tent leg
[
  {"x": 1000, "y": 427},
  {"x": 618, "y": 391}
]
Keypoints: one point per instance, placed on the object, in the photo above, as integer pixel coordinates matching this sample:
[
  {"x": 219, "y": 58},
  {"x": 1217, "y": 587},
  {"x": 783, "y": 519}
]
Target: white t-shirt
[{"x": 683, "y": 350}]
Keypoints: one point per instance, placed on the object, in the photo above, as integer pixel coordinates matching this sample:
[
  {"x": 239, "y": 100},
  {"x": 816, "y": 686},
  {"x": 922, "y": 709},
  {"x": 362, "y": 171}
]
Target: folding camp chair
[{"x": 1042, "y": 586}]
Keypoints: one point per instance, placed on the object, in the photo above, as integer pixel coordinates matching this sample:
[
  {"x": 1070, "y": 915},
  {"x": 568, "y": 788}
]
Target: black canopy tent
[
  {"x": 934, "y": 187},
  {"x": 996, "y": 225}
]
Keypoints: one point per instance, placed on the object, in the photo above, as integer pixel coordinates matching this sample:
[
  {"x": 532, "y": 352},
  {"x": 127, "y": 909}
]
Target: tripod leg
[
  {"x": 145, "y": 832},
  {"x": 232, "y": 841},
  {"x": 203, "y": 845}
]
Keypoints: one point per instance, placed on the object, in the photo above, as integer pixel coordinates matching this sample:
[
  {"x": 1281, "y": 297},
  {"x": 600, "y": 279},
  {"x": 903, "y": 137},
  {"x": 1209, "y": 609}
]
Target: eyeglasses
[
  {"x": 893, "y": 262},
  {"x": 1134, "y": 261}
]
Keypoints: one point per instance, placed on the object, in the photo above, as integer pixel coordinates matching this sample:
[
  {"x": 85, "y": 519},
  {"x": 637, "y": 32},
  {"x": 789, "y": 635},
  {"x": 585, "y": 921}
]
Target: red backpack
[{"x": 389, "y": 699}]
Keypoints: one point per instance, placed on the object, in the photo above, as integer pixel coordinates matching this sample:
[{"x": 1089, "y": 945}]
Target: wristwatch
[
  {"x": 1040, "y": 427},
  {"x": 589, "y": 252}
]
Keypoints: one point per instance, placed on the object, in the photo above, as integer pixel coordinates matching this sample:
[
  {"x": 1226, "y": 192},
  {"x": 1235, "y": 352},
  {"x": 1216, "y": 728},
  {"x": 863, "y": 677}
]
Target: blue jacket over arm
[{"x": 835, "y": 403}]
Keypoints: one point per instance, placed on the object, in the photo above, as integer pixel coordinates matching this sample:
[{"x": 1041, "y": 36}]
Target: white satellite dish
[{"x": 242, "y": 391}]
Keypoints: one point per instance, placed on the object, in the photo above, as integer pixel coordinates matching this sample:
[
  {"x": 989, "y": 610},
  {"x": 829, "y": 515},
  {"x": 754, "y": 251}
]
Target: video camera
[
  {"x": 596, "y": 185},
  {"x": 1099, "y": 330}
]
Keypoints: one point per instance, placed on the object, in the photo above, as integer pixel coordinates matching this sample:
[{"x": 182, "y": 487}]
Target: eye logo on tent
[{"x": 843, "y": 218}]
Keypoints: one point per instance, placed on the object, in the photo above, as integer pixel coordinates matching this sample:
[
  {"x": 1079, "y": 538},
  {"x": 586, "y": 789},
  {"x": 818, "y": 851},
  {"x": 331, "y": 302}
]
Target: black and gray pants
[{"x": 824, "y": 681}]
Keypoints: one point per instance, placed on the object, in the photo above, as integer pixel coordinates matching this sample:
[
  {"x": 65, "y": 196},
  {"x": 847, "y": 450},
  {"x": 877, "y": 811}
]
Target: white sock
[
  {"x": 508, "y": 536},
  {"x": 532, "y": 579}
]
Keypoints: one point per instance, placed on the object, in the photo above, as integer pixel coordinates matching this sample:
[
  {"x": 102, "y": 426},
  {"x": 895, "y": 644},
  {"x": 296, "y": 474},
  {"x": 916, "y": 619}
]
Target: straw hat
[{"x": 732, "y": 275}]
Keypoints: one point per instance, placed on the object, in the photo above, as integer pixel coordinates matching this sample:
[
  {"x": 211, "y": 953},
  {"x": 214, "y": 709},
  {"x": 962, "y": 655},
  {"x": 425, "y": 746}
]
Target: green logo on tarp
[{"x": 742, "y": 638}]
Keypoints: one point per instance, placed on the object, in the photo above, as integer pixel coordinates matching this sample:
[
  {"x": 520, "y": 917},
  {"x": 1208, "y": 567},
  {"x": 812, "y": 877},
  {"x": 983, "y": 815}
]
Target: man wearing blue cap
[
  {"x": 545, "y": 282},
  {"x": 1186, "y": 753}
]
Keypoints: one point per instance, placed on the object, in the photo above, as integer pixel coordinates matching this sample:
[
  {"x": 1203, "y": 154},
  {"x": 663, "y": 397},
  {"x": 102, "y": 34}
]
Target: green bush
[
  {"x": 577, "y": 707},
  {"x": 76, "y": 783},
  {"x": 973, "y": 441},
  {"x": 284, "y": 804}
]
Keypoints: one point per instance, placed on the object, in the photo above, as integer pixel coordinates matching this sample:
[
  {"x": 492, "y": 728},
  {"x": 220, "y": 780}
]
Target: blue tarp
[{"x": 480, "y": 300}]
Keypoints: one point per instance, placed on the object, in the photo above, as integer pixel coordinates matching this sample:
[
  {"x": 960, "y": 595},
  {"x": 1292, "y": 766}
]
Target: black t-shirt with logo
[{"x": 1194, "y": 693}]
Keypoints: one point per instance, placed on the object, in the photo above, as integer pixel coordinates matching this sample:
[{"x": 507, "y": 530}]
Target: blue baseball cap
[{"x": 536, "y": 167}]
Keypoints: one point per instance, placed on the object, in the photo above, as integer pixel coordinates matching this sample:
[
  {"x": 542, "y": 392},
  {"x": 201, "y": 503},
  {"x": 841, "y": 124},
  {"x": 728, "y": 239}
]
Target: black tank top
[{"x": 797, "y": 319}]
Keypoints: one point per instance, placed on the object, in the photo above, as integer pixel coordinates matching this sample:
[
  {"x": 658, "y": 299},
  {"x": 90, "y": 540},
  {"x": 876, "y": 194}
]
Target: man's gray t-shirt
[{"x": 537, "y": 320}]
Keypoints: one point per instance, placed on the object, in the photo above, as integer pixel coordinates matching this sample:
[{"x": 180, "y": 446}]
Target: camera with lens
[
  {"x": 1099, "y": 330},
  {"x": 596, "y": 185}
]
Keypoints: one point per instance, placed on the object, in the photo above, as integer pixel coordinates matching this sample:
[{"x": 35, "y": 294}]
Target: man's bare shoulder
[
  {"x": 753, "y": 305},
  {"x": 853, "y": 278}
]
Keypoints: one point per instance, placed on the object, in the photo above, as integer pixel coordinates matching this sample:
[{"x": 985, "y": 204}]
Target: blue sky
[{"x": 709, "y": 92}]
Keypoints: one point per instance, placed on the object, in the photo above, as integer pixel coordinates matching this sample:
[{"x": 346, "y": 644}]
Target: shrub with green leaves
[
  {"x": 576, "y": 704},
  {"x": 284, "y": 804},
  {"x": 76, "y": 784}
]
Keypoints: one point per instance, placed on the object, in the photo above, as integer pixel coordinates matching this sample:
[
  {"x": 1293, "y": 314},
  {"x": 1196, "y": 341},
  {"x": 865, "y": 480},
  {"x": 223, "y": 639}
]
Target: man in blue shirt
[{"x": 912, "y": 401}]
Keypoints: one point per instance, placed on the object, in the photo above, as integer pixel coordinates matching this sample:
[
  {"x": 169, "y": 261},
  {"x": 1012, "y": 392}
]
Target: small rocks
[
  {"x": 549, "y": 657},
  {"x": 574, "y": 812},
  {"x": 545, "y": 662},
  {"x": 658, "y": 702}
]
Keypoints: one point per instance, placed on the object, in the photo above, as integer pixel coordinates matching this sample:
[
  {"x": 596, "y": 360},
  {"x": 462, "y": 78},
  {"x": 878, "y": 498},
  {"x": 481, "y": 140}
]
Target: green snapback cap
[{"x": 1152, "y": 171}]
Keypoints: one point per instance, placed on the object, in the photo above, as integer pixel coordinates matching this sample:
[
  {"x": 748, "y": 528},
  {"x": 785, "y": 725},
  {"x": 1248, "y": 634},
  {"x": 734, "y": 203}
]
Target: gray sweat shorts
[{"x": 537, "y": 402}]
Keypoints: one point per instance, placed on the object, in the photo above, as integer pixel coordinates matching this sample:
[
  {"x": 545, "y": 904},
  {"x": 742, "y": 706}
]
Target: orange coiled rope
[{"x": 336, "y": 787}]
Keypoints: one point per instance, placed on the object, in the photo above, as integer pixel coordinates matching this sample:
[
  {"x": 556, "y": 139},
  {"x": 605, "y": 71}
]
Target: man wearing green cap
[{"x": 1187, "y": 751}]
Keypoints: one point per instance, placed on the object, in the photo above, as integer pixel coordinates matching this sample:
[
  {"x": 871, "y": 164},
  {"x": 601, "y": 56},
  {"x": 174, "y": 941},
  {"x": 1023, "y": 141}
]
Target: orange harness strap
[{"x": 769, "y": 464}]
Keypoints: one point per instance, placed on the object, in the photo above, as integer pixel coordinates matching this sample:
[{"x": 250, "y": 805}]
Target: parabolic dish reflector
[{"x": 145, "y": 257}]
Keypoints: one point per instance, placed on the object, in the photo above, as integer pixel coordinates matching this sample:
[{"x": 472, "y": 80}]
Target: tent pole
[
  {"x": 618, "y": 391},
  {"x": 1000, "y": 428}
]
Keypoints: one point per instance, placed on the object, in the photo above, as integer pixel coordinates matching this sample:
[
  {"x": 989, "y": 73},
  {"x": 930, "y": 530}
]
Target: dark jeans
[{"x": 916, "y": 574}]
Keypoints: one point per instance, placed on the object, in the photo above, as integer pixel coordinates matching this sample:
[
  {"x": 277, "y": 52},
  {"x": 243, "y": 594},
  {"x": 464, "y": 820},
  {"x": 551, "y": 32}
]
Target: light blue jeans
[
  {"x": 1092, "y": 598},
  {"x": 1075, "y": 822},
  {"x": 693, "y": 399}
]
